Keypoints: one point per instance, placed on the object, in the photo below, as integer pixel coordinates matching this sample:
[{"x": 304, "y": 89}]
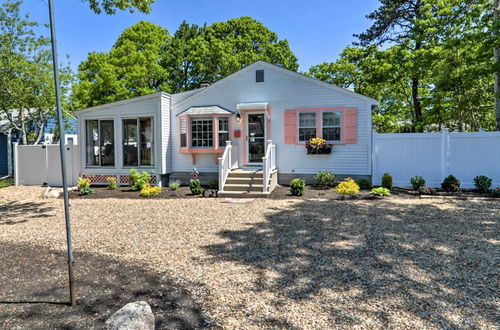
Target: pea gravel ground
[{"x": 287, "y": 263}]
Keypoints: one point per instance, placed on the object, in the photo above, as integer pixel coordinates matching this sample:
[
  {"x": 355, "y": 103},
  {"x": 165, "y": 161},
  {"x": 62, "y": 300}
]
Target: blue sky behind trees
[{"x": 317, "y": 30}]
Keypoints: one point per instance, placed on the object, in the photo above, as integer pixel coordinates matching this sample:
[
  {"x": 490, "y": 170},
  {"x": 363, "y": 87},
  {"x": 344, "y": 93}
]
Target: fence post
[
  {"x": 444, "y": 153},
  {"x": 374, "y": 154},
  {"x": 16, "y": 172}
]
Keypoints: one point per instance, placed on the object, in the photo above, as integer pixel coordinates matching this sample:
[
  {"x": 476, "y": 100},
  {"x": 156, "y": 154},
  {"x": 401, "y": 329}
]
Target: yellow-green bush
[
  {"x": 150, "y": 191},
  {"x": 83, "y": 186},
  {"x": 347, "y": 187},
  {"x": 112, "y": 184}
]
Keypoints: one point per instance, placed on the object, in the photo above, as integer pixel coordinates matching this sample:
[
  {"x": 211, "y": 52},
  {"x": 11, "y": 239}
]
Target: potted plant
[{"x": 318, "y": 146}]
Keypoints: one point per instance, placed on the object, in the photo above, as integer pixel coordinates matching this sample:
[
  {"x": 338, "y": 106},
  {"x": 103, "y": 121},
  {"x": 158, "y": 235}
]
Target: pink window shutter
[
  {"x": 290, "y": 127},
  {"x": 349, "y": 126}
]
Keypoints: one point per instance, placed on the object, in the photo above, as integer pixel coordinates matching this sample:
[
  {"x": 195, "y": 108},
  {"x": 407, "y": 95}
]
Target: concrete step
[
  {"x": 236, "y": 194},
  {"x": 239, "y": 173},
  {"x": 243, "y": 187},
  {"x": 243, "y": 180}
]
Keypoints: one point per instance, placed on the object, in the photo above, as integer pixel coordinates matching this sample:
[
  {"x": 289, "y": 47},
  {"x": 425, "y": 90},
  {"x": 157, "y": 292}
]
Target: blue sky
[{"x": 317, "y": 30}]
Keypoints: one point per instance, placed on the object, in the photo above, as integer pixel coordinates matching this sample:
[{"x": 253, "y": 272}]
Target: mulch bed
[
  {"x": 283, "y": 192},
  {"x": 34, "y": 293},
  {"x": 126, "y": 193}
]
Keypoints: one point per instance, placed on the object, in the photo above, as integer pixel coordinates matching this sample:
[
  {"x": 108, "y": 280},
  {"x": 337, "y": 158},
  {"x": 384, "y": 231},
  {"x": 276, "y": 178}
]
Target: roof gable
[{"x": 281, "y": 70}]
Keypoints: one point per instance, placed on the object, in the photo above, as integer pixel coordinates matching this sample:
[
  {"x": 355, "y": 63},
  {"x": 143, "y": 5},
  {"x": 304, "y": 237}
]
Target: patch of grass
[{"x": 6, "y": 182}]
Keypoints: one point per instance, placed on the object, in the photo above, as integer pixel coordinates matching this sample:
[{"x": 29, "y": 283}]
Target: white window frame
[
  {"x": 211, "y": 118},
  {"x": 220, "y": 131},
  {"x": 299, "y": 127},
  {"x": 331, "y": 126}
]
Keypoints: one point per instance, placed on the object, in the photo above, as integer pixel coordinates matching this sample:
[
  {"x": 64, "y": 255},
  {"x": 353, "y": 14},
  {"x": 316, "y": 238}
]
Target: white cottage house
[{"x": 248, "y": 130}]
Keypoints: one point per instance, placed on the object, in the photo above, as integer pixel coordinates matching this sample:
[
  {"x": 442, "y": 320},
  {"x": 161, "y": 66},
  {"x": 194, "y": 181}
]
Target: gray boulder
[{"x": 132, "y": 316}]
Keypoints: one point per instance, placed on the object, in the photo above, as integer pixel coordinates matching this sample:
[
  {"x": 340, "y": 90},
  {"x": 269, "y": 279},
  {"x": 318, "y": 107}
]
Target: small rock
[
  {"x": 132, "y": 316},
  {"x": 51, "y": 193}
]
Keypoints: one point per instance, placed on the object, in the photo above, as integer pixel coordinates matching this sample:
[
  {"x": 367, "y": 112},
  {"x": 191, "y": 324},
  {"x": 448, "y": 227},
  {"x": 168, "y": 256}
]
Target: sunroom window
[
  {"x": 138, "y": 142},
  {"x": 307, "y": 126},
  {"x": 332, "y": 123},
  {"x": 202, "y": 132},
  {"x": 100, "y": 143}
]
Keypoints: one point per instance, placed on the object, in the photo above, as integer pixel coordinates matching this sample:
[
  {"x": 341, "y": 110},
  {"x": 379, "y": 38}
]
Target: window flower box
[{"x": 318, "y": 146}]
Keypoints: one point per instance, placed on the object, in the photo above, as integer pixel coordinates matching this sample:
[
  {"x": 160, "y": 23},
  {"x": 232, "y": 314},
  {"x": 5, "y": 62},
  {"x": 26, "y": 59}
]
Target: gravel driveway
[{"x": 293, "y": 263}]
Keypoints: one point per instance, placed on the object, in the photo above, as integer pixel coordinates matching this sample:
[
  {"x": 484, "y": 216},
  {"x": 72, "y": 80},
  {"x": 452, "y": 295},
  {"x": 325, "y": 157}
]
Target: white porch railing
[
  {"x": 225, "y": 165},
  {"x": 268, "y": 165}
]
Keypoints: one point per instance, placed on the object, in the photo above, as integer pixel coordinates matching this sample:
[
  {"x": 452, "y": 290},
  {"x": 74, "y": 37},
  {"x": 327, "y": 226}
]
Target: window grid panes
[
  {"x": 307, "y": 126},
  {"x": 223, "y": 131},
  {"x": 332, "y": 123},
  {"x": 202, "y": 132}
]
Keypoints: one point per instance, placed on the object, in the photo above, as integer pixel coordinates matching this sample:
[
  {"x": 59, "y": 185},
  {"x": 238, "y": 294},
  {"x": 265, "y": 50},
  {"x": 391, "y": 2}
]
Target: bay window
[
  {"x": 138, "y": 142},
  {"x": 100, "y": 143},
  {"x": 307, "y": 126},
  {"x": 331, "y": 125},
  {"x": 202, "y": 132}
]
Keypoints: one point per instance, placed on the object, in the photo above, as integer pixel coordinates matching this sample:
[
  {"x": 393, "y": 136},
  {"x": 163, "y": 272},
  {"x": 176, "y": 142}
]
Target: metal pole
[{"x": 63, "y": 158}]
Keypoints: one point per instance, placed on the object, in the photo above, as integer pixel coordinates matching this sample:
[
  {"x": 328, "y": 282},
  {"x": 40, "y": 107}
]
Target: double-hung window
[
  {"x": 223, "y": 131},
  {"x": 100, "y": 142},
  {"x": 332, "y": 125},
  {"x": 138, "y": 142},
  {"x": 202, "y": 132},
  {"x": 307, "y": 126}
]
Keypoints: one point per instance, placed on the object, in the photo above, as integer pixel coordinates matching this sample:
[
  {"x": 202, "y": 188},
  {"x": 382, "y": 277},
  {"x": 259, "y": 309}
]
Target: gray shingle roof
[{"x": 206, "y": 110}]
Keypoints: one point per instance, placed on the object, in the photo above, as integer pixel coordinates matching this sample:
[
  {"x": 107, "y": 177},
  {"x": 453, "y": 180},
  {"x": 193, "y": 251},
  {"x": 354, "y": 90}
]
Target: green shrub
[
  {"x": 112, "y": 184},
  {"x": 451, "y": 184},
  {"x": 347, "y": 187},
  {"x": 138, "y": 180},
  {"x": 83, "y": 186},
  {"x": 381, "y": 191},
  {"x": 426, "y": 190},
  {"x": 297, "y": 187},
  {"x": 417, "y": 182},
  {"x": 482, "y": 183},
  {"x": 213, "y": 184},
  {"x": 364, "y": 184},
  {"x": 150, "y": 191},
  {"x": 196, "y": 188},
  {"x": 325, "y": 179},
  {"x": 495, "y": 192},
  {"x": 174, "y": 185},
  {"x": 387, "y": 181}
]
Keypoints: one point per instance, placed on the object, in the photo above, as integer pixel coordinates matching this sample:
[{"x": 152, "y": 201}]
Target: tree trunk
[
  {"x": 417, "y": 106},
  {"x": 497, "y": 63}
]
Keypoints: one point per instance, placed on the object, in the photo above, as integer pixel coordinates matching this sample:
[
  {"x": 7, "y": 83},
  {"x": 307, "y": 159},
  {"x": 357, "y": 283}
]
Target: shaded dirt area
[
  {"x": 297, "y": 263},
  {"x": 34, "y": 291}
]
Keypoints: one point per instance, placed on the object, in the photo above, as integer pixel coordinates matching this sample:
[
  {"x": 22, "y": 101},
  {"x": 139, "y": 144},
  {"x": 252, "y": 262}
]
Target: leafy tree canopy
[
  {"x": 146, "y": 59},
  {"x": 111, "y": 6},
  {"x": 27, "y": 97}
]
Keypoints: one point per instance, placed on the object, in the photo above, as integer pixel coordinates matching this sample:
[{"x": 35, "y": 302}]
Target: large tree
[
  {"x": 145, "y": 59},
  {"x": 26, "y": 81},
  {"x": 496, "y": 27},
  {"x": 210, "y": 53},
  {"x": 132, "y": 67},
  {"x": 433, "y": 71}
]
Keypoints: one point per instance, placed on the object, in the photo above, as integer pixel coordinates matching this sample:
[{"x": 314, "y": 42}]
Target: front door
[{"x": 256, "y": 137}]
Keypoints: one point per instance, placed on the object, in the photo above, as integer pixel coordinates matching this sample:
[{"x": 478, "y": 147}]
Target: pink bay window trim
[
  {"x": 348, "y": 124},
  {"x": 216, "y": 150}
]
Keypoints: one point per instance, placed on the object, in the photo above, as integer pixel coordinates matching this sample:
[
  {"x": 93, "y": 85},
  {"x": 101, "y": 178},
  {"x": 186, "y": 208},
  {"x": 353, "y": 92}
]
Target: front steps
[{"x": 246, "y": 183}]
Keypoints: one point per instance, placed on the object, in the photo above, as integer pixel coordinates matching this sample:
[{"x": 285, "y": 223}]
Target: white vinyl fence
[
  {"x": 41, "y": 164},
  {"x": 434, "y": 156}
]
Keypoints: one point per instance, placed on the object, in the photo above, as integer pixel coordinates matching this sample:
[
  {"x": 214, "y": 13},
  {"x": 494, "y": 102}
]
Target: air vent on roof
[{"x": 259, "y": 76}]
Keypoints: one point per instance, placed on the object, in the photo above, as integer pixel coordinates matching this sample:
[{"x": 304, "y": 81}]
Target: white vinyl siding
[{"x": 284, "y": 91}]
